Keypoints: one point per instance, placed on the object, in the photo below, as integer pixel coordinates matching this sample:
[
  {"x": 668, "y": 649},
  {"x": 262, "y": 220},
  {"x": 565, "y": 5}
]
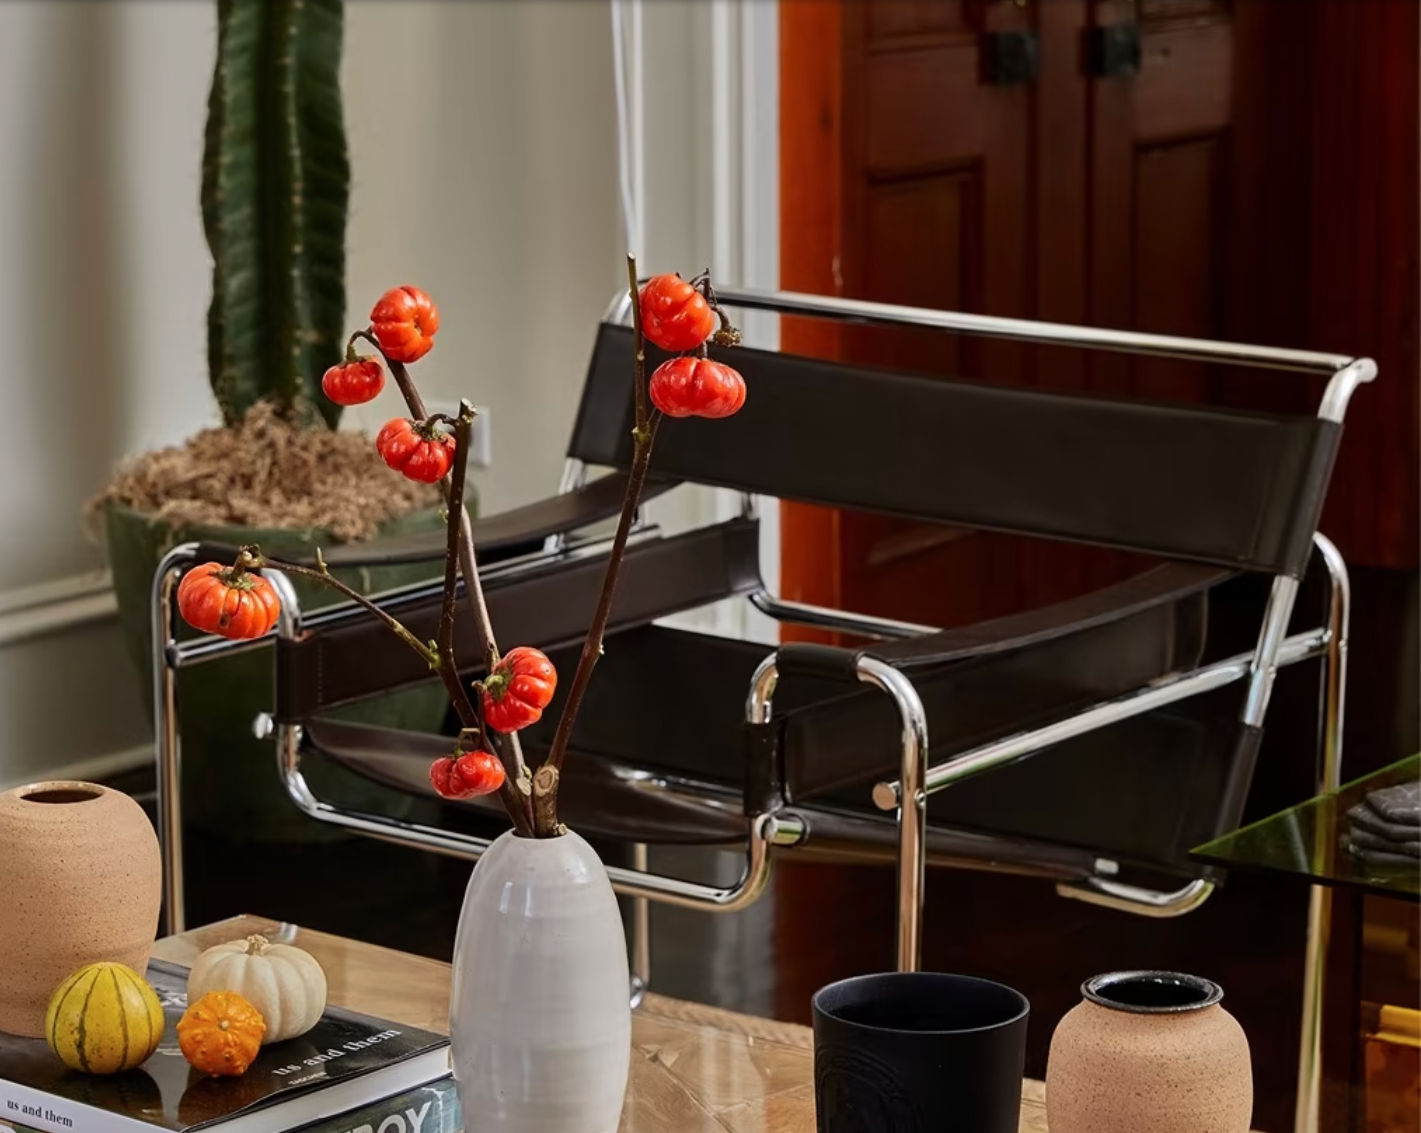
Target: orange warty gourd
[
  {"x": 221, "y": 1033},
  {"x": 215, "y": 599}
]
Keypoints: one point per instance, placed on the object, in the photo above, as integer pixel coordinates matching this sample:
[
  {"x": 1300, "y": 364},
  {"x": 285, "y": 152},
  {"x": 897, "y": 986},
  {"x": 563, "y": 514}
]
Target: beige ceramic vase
[
  {"x": 80, "y": 880},
  {"x": 1149, "y": 1052}
]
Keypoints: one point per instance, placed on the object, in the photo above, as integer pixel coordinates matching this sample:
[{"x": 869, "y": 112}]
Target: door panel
[
  {"x": 1157, "y": 145},
  {"x": 937, "y": 211},
  {"x": 899, "y": 19},
  {"x": 923, "y": 238},
  {"x": 1174, "y": 265}
]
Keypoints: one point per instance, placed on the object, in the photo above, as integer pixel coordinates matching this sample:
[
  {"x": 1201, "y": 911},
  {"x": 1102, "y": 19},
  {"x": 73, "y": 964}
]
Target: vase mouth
[
  {"x": 1152, "y": 993},
  {"x": 60, "y": 793}
]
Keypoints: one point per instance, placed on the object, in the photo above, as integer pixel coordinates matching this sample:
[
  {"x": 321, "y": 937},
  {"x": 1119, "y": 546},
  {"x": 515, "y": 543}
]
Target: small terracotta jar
[
  {"x": 81, "y": 880},
  {"x": 1149, "y": 1052}
]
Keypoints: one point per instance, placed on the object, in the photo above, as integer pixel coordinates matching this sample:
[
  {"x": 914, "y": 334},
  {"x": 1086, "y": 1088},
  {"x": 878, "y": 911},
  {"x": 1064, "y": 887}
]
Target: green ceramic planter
[{"x": 230, "y": 784}]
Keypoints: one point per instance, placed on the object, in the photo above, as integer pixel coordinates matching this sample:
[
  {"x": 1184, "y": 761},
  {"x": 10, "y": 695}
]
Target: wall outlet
[{"x": 480, "y": 437}]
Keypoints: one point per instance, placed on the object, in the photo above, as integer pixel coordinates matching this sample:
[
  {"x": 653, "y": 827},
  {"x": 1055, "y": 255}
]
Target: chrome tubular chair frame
[{"x": 907, "y": 796}]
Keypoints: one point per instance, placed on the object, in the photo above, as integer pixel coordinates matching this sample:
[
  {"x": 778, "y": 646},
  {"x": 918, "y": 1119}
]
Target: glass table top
[{"x": 1311, "y": 841}]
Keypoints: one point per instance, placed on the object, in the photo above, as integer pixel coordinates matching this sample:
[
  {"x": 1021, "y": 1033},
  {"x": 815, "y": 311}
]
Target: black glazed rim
[
  {"x": 1021, "y": 1003},
  {"x": 1195, "y": 992}
]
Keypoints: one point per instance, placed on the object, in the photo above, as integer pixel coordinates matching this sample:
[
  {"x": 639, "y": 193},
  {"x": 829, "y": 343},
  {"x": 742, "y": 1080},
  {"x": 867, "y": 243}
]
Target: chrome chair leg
[
  {"x": 911, "y": 802},
  {"x": 641, "y": 932},
  {"x": 1334, "y": 677},
  {"x": 912, "y": 806},
  {"x": 167, "y": 745}
]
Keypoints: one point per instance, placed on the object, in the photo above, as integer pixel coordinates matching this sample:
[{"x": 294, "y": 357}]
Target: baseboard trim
[
  {"x": 89, "y": 770},
  {"x": 64, "y": 604}
]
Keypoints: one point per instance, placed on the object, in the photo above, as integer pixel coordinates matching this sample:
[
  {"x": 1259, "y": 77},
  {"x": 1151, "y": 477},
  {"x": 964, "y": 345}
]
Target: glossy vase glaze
[
  {"x": 80, "y": 881},
  {"x": 540, "y": 1015},
  {"x": 1149, "y": 1052}
]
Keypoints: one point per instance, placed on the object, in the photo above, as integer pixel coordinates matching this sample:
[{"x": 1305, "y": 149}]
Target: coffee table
[{"x": 695, "y": 1069}]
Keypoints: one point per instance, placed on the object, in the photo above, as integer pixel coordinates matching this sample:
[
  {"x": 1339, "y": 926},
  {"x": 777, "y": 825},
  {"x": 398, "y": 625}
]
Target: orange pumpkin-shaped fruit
[{"x": 221, "y": 1033}]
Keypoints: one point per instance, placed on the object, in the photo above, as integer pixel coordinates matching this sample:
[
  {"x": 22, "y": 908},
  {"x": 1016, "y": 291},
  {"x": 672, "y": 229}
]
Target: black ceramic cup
[{"x": 918, "y": 1052}]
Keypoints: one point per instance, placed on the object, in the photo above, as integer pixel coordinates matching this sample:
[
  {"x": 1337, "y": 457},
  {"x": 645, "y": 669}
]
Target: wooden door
[
  {"x": 936, "y": 214},
  {"x": 1159, "y": 144},
  {"x": 954, "y": 192},
  {"x": 1199, "y": 196}
]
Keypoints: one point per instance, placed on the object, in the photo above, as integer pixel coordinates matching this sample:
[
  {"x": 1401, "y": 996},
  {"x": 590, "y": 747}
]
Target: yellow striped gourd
[{"x": 104, "y": 1019}]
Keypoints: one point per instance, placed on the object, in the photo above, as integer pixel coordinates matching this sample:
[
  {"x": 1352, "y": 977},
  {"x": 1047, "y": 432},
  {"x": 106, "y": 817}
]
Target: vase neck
[{"x": 1152, "y": 993}]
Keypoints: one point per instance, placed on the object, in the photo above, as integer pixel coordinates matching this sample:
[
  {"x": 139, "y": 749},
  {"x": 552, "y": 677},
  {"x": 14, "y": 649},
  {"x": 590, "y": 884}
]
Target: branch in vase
[
  {"x": 468, "y": 556},
  {"x": 639, "y": 341},
  {"x": 644, "y": 436},
  {"x": 470, "y": 715},
  {"x": 592, "y": 646},
  {"x": 545, "y": 802}
]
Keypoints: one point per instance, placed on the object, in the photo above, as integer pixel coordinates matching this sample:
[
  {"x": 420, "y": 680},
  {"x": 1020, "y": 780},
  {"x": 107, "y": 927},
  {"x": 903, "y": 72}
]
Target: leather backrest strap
[{"x": 1236, "y": 489}]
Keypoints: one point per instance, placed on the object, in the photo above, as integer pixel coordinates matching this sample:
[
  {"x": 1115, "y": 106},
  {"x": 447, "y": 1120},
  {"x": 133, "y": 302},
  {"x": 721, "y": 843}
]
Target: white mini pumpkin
[{"x": 281, "y": 981}]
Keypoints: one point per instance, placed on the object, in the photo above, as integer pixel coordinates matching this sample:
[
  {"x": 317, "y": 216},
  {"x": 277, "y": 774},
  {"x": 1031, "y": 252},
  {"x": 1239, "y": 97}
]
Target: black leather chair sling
[{"x": 686, "y": 737}]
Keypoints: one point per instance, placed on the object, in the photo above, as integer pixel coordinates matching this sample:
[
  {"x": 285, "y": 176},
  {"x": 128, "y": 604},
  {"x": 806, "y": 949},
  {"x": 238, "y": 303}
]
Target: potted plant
[
  {"x": 276, "y": 472},
  {"x": 539, "y": 1015}
]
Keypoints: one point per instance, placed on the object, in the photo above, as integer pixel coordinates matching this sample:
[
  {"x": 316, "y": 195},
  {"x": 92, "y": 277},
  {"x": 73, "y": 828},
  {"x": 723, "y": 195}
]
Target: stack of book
[{"x": 349, "y": 1074}]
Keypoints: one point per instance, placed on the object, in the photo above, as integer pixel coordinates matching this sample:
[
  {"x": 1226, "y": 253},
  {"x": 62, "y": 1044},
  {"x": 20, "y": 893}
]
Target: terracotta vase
[
  {"x": 81, "y": 880},
  {"x": 1149, "y": 1052}
]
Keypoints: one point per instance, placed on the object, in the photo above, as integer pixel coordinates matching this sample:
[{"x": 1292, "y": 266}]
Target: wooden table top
[{"x": 694, "y": 1069}]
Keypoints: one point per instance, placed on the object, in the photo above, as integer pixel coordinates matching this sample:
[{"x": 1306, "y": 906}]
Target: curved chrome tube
[
  {"x": 167, "y": 749},
  {"x": 1343, "y": 385},
  {"x": 763, "y": 682},
  {"x": 1134, "y": 899},
  {"x": 1307, "y": 1115},
  {"x": 913, "y": 805},
  {"x": 1346, "y": 372},
  {"x": 823, "y": 617},
  {"x": 766, "y": 829},
  {"x": 1166, "y": 691},
  {"x": 1021, "y": 330}
]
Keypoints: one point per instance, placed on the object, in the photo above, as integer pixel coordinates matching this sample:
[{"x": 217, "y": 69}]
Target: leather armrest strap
[
  {"x": 1167, "y": 583},
  {"x": 1170, "y": 582},
  {"x": 345, "y": 654}
]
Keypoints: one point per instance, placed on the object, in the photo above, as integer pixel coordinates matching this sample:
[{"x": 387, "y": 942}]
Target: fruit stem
[{"x": 251, "y": 558}]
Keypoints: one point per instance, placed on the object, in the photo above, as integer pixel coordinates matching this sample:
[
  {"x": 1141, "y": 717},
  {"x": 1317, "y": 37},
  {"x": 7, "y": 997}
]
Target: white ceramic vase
[{"x": 540, "y": 1016}]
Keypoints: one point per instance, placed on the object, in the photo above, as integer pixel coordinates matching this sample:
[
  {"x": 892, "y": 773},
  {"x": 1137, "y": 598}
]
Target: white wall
[
  {"x": 490, "y": 181},
  {"x": 708, "y": 78},
  {"x": 482, "y": 144},
  {"x": 484, "y": 164},
  {"x": 483, "y": 153},
  {"x": 102, "y": 295}
]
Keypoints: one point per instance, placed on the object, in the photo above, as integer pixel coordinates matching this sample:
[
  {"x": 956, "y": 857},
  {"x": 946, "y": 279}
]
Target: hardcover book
[
  {"x": 347, "y": 1061},
  {"x": 425, "y": 1109}
]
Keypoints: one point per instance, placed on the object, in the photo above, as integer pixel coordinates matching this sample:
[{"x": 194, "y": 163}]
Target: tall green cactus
[{"x": 275, "y": 184}]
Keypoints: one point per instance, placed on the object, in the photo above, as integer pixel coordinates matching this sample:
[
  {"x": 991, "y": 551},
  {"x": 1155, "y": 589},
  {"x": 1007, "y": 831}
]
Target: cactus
[{"x": 275, "y": 184}]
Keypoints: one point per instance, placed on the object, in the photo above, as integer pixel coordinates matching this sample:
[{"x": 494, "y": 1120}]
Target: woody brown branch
[
  {"x": 468, "y": 560},
  {"x": 545, "y": 787},
  {"x": 469, "y": 715}
]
